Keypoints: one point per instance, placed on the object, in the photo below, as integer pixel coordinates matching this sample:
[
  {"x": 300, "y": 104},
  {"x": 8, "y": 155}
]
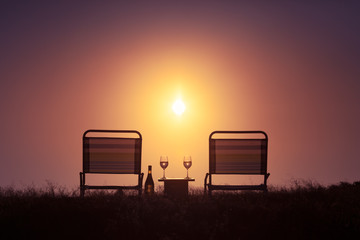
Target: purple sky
[{"x": 289, "y": 68}]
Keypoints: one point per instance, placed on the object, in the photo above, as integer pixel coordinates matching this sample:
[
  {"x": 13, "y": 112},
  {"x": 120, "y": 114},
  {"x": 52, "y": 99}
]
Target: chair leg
[
  {"x": 266, "y": 176},
  {"x": 209, "y": 185},
  {"x": 82, "y": 183},
  {"x": 140, "y": 180},
  {"x": 205, "y": 180}
]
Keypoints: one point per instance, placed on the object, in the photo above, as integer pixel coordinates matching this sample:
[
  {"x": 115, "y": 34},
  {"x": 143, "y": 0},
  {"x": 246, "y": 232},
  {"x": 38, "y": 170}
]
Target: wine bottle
[{"x": 149, "y": 183}]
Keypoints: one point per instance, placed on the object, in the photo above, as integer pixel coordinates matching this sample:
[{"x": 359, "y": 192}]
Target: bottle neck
[{"x": 149, "y": 170}]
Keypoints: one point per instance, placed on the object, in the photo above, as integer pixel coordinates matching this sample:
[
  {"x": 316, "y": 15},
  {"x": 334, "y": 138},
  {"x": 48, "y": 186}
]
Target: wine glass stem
[
  {"x": 187, "y": 173},
  {"x": 164, "y": 174}
]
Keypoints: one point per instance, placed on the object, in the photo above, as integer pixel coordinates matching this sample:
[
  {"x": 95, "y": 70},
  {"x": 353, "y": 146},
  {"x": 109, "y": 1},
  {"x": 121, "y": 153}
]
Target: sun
[{"x": 178, "y": 107}]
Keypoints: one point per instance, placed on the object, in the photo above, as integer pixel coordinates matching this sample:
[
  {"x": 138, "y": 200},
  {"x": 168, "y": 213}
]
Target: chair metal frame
[
  {"x": 208, "y": 186},
  {"x": 137, "y": 171}
]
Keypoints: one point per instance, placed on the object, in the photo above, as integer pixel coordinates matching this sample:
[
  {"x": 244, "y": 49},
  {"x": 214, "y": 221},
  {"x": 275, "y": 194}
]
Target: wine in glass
[
  {"x": 164, "y": 163},
  {"x": 187, "y": 164}
]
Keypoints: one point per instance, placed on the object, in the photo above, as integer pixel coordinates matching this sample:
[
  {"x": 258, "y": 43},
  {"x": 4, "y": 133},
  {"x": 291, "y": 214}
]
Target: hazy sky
[{"x": 289, "y": 68}]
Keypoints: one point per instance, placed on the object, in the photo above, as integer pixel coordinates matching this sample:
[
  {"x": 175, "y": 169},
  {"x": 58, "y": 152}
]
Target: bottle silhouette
[{"x": 149, "y": 183}]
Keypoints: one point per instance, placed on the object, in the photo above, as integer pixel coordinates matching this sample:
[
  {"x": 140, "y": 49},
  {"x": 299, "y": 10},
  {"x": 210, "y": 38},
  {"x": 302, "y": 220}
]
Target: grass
[{"x": 304, "y": 211}]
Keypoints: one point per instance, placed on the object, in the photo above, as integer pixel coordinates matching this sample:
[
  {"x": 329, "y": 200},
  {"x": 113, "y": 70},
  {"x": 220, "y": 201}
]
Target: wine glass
[
  {"x": 187, "y": 165},
  {"x": 164, "y": 163}
]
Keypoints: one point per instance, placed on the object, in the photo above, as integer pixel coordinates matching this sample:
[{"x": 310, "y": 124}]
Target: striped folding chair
[
  {"x": 111, "y": 155},
  {"x": 247, "y": 156}
]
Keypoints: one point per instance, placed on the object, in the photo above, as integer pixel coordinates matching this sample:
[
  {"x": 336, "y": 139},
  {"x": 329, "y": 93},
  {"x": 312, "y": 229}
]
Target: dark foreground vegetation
[{"x": 302, "y": 212}]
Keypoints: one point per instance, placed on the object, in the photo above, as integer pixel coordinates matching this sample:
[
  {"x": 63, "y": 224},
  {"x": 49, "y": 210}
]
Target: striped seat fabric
[
  {"x": 240, "y": 152},
  {"x": 238, "y": 156},
  {"x": 112, "y": 155}
]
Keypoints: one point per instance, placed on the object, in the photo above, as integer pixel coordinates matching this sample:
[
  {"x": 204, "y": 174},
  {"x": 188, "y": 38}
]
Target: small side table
[{"x": 176, "y": 187}]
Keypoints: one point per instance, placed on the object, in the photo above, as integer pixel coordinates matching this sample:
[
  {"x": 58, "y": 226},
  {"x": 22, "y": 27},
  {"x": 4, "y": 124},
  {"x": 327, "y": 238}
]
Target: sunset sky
[{"x": 289, "y": 68}]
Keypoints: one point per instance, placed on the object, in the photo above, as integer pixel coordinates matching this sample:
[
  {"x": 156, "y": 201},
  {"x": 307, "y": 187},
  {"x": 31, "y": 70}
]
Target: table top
[{"x": 176, "y": 179}]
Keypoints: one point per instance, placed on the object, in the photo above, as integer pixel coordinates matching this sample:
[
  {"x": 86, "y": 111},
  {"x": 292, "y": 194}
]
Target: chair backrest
[
  {"x": 112, "y": 154},
  {"x": 238, "y": 155}
]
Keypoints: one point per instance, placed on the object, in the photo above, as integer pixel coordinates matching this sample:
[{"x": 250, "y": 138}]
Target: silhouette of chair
[
  {"x": 247, "y": 156},
  {"x": 111, "y": 155}
]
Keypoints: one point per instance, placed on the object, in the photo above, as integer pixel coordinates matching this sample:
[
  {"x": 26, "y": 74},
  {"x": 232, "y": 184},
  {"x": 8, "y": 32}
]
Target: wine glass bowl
[
  {"x": 187, "y": 164},
  {"x": 164, "y": 163}
]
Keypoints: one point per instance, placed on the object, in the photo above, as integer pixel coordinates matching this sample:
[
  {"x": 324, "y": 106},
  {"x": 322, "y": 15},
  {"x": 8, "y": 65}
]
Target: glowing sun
[{"x": 178, "y": 107}]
